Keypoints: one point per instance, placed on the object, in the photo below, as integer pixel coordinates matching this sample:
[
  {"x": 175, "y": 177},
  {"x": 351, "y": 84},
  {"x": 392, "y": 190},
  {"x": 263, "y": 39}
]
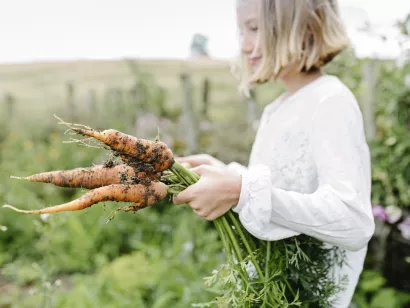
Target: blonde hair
[{"x": 305, "y": 33}]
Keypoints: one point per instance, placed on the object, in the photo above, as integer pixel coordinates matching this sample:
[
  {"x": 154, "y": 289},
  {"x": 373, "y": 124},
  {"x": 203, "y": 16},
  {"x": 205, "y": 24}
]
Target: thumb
[
  {"x": 184, "y": 196},
  {"x": 201, "y": 170}
]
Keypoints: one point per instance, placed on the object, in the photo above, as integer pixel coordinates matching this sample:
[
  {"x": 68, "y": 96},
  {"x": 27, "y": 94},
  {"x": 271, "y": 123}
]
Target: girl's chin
[{"x": 254, "y": 67}]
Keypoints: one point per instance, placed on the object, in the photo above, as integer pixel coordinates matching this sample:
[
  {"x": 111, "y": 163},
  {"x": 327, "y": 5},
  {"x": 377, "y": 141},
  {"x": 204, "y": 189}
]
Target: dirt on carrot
[
  {"x": 141, "y": 195},
  {"x": 92, "y": 177},
  {"x": 155, "y": 153}
]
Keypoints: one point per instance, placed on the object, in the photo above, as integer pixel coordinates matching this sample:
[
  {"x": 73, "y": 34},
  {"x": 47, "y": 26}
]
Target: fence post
[
  {"x": 70, "y": 101},
  {"x": 90, "y": 101},
  {"x": 108, "y": 97},
  {"x": 205, "y": 98},
  {"x": 6, "y": 119},
  {"x": 9, "y": 100},
  {"x": 118, "y": 98},
  {"x": 188, "y": 116},
  {"x": 161, "y": 101},
  {"x": 368, "y": 98},
  {"x": 138, "y": 95}
]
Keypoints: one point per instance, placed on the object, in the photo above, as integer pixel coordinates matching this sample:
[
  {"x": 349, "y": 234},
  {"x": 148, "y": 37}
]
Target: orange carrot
[
  {"x": 156, "y": 153},
  {"x": 139, "y": 194},
  {"x": 92, "y": 177}
]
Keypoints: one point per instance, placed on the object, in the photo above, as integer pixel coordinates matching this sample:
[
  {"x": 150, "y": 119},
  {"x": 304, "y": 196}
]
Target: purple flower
[
  {"x": 379, "y": 212},
  {"x": 404, "y": 227}
]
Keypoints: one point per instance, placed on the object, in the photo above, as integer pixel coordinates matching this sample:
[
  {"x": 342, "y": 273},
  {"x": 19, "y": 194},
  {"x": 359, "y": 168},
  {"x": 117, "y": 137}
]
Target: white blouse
[{"x": 309, "y": 172}]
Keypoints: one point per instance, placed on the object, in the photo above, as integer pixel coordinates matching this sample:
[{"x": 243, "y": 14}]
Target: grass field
[
  {"x": 40, "y": 90},
  {"x": 39, "y": 87}
]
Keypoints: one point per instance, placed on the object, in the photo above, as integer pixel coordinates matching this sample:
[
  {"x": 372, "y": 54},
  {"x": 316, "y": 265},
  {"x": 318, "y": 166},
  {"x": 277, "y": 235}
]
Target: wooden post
[
  {"x": 162, "y": 110},
  {"x": 138, "y": 94},
  {"x": 138, "y": 101},
  {"x": 90, "y": 101},
  {"x": 108, "y": 96},
  {"x": 119, "y": 99},
  {"x": 6, "y": 119},
  {"x": 70, "y": 101},
  {"x": 113, "y": 98},
  {"x": 9, "y": 100},
  {"x": 368, "y": 98},
  {"x": 188, "y": 117},
  {"x": 205, "y": 98}
]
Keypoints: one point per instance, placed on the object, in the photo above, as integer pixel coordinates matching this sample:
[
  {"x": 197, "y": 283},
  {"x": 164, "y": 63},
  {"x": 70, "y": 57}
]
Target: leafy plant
[
  {"x": 372, "y": 292},
  {"x": 391, "y": 167}
]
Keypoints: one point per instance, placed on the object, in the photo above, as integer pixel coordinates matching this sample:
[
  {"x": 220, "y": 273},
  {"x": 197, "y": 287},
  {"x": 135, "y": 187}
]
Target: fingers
[
  {"x": 194, "y": 160},
  {"x": 184, "y": 196},
  {"x": 188, "y": 197},
  {"x": 206, "y": 214},
  {"x": 189, "y": 160}
]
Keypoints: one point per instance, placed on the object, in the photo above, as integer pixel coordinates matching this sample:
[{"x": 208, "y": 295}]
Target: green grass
[{"x": 39, "y": 88}]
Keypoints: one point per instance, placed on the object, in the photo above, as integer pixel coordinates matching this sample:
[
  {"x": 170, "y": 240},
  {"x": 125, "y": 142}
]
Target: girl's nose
[{"x": 247, "y": 46}]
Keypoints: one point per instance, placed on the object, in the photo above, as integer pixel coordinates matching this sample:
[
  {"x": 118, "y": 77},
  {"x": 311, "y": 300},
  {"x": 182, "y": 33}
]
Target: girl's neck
[{"x": 295, "y": 81}]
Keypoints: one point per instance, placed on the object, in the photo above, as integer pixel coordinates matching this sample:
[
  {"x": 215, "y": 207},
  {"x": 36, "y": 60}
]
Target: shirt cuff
[
  {"x": 237, "y": 168},
  {"x": 243, "y": 197}
]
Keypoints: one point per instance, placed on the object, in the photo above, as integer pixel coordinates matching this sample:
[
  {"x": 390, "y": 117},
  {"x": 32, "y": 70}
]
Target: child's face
[{"x": 248, "y": 23}]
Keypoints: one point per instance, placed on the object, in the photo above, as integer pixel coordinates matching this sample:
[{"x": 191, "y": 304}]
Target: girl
[{"x": 309, "y": 170}]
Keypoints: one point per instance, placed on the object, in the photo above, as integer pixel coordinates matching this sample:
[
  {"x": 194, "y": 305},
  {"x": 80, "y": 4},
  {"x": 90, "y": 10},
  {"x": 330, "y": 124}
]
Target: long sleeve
[
  {"x": 237, "y": 168},
  {"x": 279, "y": 231},
  {"x": 338, "y": 212}
]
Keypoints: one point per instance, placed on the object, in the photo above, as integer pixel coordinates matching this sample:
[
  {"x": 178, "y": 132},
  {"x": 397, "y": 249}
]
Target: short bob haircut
[{"x": 304, "y": 33}]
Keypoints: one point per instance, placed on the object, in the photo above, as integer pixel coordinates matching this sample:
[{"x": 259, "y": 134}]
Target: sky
[{"x": 52, "y": 30}]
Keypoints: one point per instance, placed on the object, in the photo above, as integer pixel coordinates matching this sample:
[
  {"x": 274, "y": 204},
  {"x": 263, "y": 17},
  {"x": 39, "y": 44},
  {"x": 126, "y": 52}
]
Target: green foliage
[
  {"x": 391, "y": 148},
  {"x": 347, "y": 67},
  {"x": 372, "y": 293},
  {"x": 287, "y": 266},
  {"x": 163, "y": 271},
  {"x": 391, "y": 167}
]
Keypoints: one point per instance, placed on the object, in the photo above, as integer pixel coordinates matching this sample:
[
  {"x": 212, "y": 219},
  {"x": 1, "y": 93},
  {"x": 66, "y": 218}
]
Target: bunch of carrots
[{"x": 135, "y": 179}]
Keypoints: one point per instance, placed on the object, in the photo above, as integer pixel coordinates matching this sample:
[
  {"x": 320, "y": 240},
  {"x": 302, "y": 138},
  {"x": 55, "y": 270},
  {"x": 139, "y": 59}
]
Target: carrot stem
[
  {"x": 222, "y": 226},
  {"x": 245, "y": 242},
  {"x": 188, "y": 176},
  {"x": 235, "y": 245},
  {"x": 266, "y": 273}
]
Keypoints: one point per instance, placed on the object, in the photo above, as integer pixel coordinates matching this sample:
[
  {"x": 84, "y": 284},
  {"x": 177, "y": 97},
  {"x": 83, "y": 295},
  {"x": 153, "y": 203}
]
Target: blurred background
[{"x": 164, "y": 67}]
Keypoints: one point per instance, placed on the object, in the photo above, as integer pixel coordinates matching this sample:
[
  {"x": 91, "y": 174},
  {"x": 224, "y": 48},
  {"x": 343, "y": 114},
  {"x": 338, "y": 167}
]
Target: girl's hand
[
  {"x": 193, "y": 161},
  {"x": 216, "y": 192}
]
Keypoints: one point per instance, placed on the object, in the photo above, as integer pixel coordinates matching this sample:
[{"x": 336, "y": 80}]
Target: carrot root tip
[
  {"x": 18, "y": 177},
  {"x": 14, "y": 208}
]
